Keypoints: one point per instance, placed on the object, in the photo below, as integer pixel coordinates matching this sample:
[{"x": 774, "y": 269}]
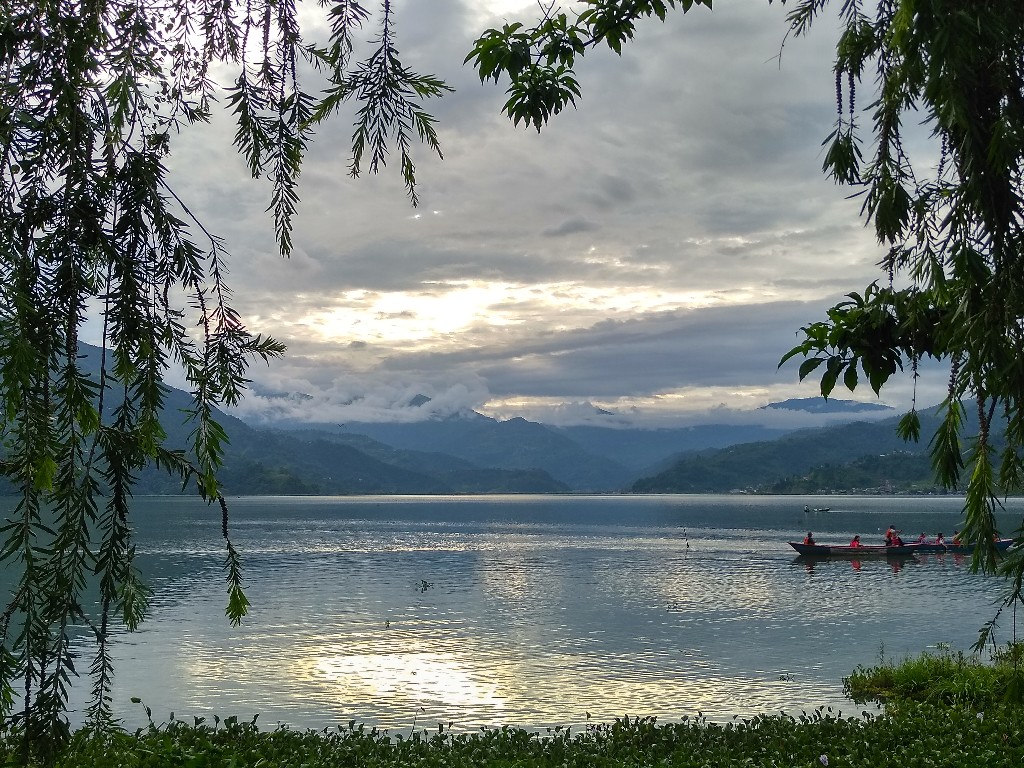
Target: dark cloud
[
  {"x": 719, "y": 346},
  {"x": 572, "y": 226}
]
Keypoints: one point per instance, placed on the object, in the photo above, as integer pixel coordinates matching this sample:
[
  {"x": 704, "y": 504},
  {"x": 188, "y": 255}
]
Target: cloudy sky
[{"x": 651, "y": 253}]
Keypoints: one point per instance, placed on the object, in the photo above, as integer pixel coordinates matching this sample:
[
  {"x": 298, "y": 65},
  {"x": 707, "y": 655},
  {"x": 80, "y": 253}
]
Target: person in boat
[
  {"x": 809, "y": 539},
  {"x": 940, "y": 540},
  {"x": 922, "y": 538},
  {"x": 892, "y": 537},
  {"x": 856, "y": 541},
  {"x": 806, "y": 508}
]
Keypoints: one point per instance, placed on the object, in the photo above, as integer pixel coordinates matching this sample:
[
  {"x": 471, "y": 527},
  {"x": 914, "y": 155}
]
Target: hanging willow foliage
[
  {"x": 953, "y": 234},
  {"x": 94, "y": 93}
]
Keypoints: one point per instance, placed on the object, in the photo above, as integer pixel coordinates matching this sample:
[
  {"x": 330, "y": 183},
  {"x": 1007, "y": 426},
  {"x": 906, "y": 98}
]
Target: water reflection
[
  {"x": 537, "y": 611},
  {"x": 894, "y": 563},
  {"x": 424, "y": 677}
]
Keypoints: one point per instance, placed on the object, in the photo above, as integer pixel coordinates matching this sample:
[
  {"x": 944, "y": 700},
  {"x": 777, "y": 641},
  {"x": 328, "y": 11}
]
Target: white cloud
[{"x": 398, "y": 399}]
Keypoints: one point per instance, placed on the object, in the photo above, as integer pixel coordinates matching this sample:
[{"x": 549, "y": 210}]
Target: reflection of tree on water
[
  {"x": 958, "y": 559},
  {"x": 811, "y": 562}
]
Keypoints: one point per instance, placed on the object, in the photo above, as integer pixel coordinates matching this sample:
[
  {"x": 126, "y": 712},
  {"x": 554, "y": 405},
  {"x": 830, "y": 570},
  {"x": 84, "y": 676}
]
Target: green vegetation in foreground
[
  {"x": 940, "y": 711},
  {"x": 925, "y": 735},
  {"x": 948, "y": 677}
]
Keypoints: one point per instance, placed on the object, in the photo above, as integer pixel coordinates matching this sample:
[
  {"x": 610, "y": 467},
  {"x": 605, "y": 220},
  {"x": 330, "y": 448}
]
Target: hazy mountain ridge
[
  {"x": 478, "y": 454},
  {"x": 821, "y": 405},
  {"x": 473, "y": 453},
  {"x": 854, "y": 456},
  {"x": 278, "y": 462},
  {"x": 514, "y": 445},
  {"x": 270, "y": 461},
  {"x": 584, "y": 458},
  {"x": 645, "y": 451}
]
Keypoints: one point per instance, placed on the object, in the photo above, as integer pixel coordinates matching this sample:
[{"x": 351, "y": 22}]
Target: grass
[
  {"x": 945, "y": 677},
  {"x": 941, "y": 710}
]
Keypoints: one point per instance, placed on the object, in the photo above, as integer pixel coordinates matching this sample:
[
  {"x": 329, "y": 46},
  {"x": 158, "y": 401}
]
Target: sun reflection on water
[{"x": 419, "y": 675}]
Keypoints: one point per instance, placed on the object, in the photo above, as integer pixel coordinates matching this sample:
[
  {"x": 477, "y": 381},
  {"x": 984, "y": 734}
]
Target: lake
[{"x": 533, "y": 611}]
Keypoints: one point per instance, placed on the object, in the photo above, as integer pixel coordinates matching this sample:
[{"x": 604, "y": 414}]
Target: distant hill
[
  {"x": 446, "y": 473},
  {"x": 472, "y": 453},
  {"x": 808, "y": 460},
  {"x": 275, "y": 462},
  {"x": 896, "y": 472},
  {"x": 647, "y": 450},
  {"x": 267, "y": 461},
  {"x": 821, "y": 405},
  {"x": 515, "y": 444},
  {"x": 584, "y": 458}
]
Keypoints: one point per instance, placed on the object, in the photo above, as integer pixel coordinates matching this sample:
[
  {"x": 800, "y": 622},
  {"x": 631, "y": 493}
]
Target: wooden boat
[
  {"x": 840, "y": 550},
  {"x": 960, "y": 549}
]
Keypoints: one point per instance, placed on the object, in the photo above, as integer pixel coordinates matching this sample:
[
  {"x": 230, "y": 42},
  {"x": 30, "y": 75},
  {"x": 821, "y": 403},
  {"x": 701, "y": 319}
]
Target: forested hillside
[{"x": 863, "y": 456}]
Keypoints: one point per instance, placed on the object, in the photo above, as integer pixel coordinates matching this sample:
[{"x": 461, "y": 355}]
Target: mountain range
[
  {"x": 866, "y": 457},
  {"x": 473, "y": 453}
]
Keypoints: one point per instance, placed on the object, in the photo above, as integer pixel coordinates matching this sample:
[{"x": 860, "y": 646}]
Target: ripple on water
[{"x": 484, "y": 619}]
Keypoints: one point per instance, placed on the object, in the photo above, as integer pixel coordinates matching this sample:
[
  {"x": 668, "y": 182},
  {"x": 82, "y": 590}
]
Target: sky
[{"x": 650, "y": 254}]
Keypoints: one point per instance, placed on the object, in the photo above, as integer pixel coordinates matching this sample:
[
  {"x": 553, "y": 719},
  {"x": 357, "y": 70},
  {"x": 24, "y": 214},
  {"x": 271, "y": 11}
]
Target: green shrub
[{"x": 947, "y": 677}]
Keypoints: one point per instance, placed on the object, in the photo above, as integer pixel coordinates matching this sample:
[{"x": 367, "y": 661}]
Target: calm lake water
[{"x": 532, "y": 611}]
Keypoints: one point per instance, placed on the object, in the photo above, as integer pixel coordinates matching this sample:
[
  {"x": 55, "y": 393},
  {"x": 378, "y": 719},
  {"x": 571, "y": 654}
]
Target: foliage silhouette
[{"x": 94, "y": 96}]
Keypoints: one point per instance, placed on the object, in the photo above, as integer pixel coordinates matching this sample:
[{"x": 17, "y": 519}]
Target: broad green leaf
[{"x": 807, "y": 366}]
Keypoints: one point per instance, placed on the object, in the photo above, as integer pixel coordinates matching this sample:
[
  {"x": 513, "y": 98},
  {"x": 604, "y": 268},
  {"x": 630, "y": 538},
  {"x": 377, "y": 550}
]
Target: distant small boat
[
  {"x": 961, "y": 549},
  {"x": 816, "y": 509},
  {"x": 840, "y": 550}
]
